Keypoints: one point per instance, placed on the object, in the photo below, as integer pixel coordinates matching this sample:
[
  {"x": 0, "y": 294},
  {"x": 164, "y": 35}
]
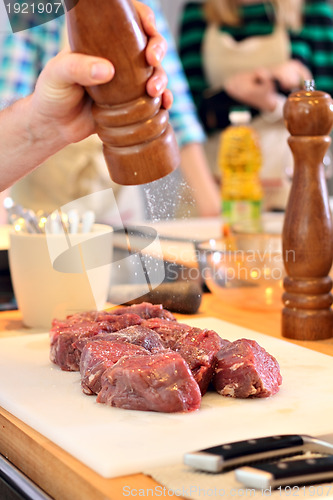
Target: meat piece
[
  {"x": 199, "y": 348},
  {"x": 157, "y": 382},
  {"x": 146, "y": 310},
  {"x": 93, "y": 317},
  {"x": 82, "y": 317},
  {"x": 246, "y": 370},
  {"x": 169, "y": 331},
  {"x": 62, "y": 349},
  {"x": 99, "y": 355},
  {"x": 138, "y": 335}
]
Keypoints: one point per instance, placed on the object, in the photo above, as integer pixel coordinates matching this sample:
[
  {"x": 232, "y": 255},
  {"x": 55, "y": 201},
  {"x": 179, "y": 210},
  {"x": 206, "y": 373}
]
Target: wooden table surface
[{"x": 62, "y": 476}]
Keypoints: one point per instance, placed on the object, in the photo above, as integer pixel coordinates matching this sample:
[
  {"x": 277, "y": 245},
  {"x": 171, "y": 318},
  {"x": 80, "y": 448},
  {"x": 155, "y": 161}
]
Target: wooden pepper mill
[
  {"x": 138, "y": 142},
  {"x": 307, "y": 231}
]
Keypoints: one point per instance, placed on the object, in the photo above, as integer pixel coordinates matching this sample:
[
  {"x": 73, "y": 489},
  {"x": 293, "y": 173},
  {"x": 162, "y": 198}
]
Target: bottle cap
[{"x": 239, "y": 116}]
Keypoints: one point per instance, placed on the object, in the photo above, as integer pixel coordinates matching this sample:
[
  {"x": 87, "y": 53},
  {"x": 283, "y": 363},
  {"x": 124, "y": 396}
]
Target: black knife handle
[
  {"x": 283, "y": 473},
  {"x": 261, "y": 445},
  {"x": 220, "y": 457}
]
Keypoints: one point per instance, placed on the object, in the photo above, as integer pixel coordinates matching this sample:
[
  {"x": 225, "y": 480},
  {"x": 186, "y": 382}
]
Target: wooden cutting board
[{"x": 116, "y": 442}]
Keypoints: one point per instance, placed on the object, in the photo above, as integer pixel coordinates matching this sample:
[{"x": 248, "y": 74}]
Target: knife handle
[
  {"x": 286, "y": 473},
  {"x": 221, "y": 457}
]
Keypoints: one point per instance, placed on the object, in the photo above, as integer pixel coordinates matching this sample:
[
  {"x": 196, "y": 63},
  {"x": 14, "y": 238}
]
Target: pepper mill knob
[
  {"x": 139, "y": 144},
  {"x": 307, "y": 237}
]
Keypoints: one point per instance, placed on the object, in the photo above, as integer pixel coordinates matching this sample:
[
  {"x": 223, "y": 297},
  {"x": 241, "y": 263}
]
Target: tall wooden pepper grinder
[
  {"x": 307, "y": 231},
  {"x": 138, "y": 142}
]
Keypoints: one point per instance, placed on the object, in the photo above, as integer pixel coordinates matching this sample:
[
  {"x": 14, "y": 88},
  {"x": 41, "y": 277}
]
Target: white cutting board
[{"x": 115, "y": 442}]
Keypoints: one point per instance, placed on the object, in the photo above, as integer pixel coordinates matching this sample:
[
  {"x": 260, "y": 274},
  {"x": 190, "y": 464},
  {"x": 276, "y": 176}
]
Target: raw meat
[
  {"x": 246, "y": 370},
  {"x": 82, "y": 317},
  {"x": 156, "y": 382},
  {"x": 64, "y": 333},
  {"x": 138, "y": 335},
  {"x": 141, "y": 358},
  {"x": 199, "y": 348},
  {"x": 145, "y": 310},
  {"x": 169, "y": 331},
  {"x": 62, "y": 349},
  {"x": 99, "y": 355}
]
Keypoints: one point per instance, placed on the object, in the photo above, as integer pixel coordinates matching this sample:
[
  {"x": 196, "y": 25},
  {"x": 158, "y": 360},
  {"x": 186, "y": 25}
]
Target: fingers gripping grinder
[{"x": 138, "y": 142}]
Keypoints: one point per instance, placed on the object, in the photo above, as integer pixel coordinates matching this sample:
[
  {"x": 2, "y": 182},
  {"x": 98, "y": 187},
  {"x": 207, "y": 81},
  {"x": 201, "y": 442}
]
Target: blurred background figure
[
  {"x": 199, "y": 194},
  {"x": 80, "y": 169},
  {"x": 254, "y": 53}
]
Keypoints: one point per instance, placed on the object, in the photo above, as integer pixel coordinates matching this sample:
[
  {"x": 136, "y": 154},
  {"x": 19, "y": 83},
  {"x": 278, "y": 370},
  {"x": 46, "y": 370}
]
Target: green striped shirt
[{"x": 312, "y": 45}]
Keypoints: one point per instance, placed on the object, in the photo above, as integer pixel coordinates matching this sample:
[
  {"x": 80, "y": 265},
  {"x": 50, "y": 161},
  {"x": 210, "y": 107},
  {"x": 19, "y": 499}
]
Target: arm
[
  {"x": 191, "y": 34},
  {"x": 187, "y": 127},
  {"x": 57, "y": 114},
  {"x": 198, "y": 176}
]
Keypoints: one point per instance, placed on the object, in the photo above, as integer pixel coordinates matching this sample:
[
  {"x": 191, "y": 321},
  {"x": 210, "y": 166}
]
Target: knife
[
  {"x": 225, "y": 456},
  {"x": 286, "y": 473}
]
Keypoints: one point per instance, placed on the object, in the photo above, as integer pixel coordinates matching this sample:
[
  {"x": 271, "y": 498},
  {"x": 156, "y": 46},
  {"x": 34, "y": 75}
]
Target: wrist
[
  {"x": 42, "y": 132},
  {"x": 26, "y": 141}
]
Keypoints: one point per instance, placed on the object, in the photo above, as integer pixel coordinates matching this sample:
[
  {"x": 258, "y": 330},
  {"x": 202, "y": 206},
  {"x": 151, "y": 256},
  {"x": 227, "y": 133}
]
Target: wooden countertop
[{"x": 62, "y": 476}]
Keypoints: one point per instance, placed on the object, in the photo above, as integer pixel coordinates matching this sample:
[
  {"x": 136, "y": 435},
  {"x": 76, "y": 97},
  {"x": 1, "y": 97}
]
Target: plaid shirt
[{"x": 24, "y": 54}]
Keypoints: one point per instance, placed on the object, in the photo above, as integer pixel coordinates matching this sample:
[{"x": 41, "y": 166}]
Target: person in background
[
  {"x": 254, "y": 53},
  {"x": 21, "y": 59},
  {"x": 195, "y": 168},
  {"x": 58, "y": 112}
]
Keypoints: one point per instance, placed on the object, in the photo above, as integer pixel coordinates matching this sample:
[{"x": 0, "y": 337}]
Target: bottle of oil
[{"x": 240, "y": 162}]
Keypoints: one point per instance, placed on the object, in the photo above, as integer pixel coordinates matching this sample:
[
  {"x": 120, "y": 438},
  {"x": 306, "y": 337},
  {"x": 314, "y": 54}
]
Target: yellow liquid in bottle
[{"x": 240, "y": 162}]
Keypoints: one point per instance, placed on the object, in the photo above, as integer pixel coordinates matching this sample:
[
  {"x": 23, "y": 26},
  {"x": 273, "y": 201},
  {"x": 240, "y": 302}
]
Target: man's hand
[
  {"x": 60, "y": 98},
  {"x": 155, "y": 53}
]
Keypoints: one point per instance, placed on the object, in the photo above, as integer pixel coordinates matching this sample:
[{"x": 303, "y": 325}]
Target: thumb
[
  {"x": 69, "y": 68},
  {"x": 60, "y": 84}
]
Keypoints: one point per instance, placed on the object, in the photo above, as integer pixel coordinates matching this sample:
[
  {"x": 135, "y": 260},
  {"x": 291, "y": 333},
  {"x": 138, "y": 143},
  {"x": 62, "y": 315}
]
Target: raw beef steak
[
  {"x": 62, "y": 349},
  {"x": 169, "y": 331},
  {"x": 157, "y": 382},
  {"x": 99, "y": 355},
  {"x": 246, "y": 370},
  {"x": 82, "y": 317},
  {"x": 138, "y": 335},
  {"x": 199, "y": 348},
  {"x": 145, "y": 310}
]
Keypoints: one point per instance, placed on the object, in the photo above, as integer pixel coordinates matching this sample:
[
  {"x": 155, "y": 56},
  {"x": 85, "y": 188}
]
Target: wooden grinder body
[
  {"x": 138, "y": 142},
  {"x": 307, "y": 231}
]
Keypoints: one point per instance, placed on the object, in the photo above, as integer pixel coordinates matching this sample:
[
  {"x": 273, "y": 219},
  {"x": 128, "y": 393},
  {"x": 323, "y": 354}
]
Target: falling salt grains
[{"x": 166, "y": 197}]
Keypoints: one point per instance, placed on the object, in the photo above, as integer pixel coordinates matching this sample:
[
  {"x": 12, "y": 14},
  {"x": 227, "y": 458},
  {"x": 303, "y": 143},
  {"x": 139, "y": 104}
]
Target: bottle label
[{"x": 243, "y": 215}]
